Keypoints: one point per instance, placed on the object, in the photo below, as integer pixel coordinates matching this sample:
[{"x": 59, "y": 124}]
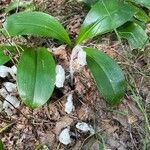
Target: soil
[{"x": 116, "y": 128}]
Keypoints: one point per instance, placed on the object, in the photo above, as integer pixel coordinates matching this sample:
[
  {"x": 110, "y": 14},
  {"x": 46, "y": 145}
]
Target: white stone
[
  {"x": 8, "y": 107},
  {"x": 4, "y": 71},
  {"x": 78, "y": 56},
  {"x": 14, "y": 69},
  {"x": 11, "y": 87},
  {"x": 69, "y": 107},
  {"x": 84, "y": 127},
  {"x": 64, "y": 136},
  {"x": 81, "y": 58},
  {"x": 60, "y": 76}
]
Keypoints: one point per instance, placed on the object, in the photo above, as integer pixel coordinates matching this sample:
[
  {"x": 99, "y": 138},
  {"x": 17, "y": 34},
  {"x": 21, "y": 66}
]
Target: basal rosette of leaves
[{"x": 36, "y": 67}]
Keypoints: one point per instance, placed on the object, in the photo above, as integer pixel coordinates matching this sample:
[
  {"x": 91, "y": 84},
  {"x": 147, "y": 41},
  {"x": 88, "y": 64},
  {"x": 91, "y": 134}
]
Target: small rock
[
  {"x": 13, "y": 71},
  {"x": 11, "y": 87},
  {"x": 84, "y": 127},
  {"x": 69, "y": 107},
  {"x": 81, "y": 58},
  {"x": 60, "y": 76},
  {"x": 4, "y": 71},
  {"x": 79, "y": 55},
  {"x": 64, "y": 136},
  {"x": 8, "y": 107}
]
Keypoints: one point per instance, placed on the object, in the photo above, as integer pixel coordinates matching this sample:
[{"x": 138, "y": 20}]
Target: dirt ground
[{"x": 124, "y": 127}]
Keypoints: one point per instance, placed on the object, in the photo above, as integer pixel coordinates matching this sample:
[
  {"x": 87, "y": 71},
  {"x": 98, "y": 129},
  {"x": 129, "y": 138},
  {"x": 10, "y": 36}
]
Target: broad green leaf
[
  {"x": 35, "y": 23},
  {"x": 3, "y": 57},
  {"x": 1, "y": 145},
  {"x": 104, "y": 17},
  {"x": 135, "y": 35},
  {"x": 36, "y": 76},
  {"x": 18, "y": 3},
  {"x": 107, "y": 74},
  {"x": 140, "y": 23},
  {"x": 145, "y": 3}
]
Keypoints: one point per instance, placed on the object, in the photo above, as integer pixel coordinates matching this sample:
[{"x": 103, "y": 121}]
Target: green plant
[
  {"x": 125, "y": 17},
  {"x": 1, "y": 145},
  {"x": 36, "y": 67}
]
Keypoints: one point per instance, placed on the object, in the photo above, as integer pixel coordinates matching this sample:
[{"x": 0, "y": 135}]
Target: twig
[{"x": 6, "y": 127}]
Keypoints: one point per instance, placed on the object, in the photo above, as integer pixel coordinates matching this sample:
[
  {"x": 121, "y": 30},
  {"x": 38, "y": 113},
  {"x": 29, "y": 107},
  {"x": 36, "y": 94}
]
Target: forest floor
[{"x": 124, "y": 127}]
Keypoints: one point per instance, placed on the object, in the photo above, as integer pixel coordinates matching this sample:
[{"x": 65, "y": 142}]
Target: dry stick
[
  {"x": 71, "y": 68},
  {"x": 58, "y": 147},
  {"x": 17, "y": 6},
  {"x": 6, "y": 127}
]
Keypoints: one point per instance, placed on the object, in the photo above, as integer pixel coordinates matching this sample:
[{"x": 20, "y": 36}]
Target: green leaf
[
  {"x": 18, "y": 3},
  {"x": 36, "y": 76},
  {"x": 135, "y": 35},
  {"x": 140, "y": 23},
  {"x": 3, "y": 57},
  {"x": 140, "y": 14},
  {"x": 1, "y": 145},
  {"x": 107, "y": 74},
  {"x": 145, "y": 3},
  {"x": 36, "y": 23},
  {"x": 104, "y": 17}
]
